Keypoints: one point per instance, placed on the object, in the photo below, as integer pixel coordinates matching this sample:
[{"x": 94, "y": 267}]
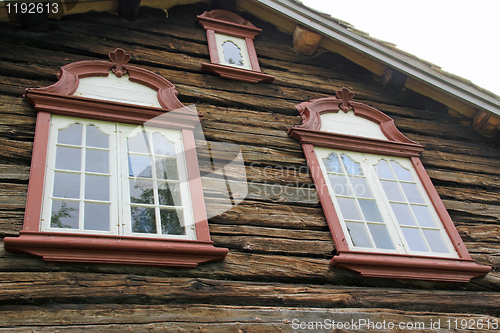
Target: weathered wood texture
[{"x": 278, "y": 235}]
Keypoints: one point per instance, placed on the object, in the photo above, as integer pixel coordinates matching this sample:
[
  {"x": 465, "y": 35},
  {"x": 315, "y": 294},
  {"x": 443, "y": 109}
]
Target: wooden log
[
  {"x": 464, "y": 178},
  {"x": 479, "y": 233},
  {"x": 479, "y": 211},
  {"x": 469, "y": 194},
  {"x": 305, "y": 41},
  {"x": 458, "y": 162}
]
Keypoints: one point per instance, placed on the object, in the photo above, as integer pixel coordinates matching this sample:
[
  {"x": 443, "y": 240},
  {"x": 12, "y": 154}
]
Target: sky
[{"x": 461, "y": 37}]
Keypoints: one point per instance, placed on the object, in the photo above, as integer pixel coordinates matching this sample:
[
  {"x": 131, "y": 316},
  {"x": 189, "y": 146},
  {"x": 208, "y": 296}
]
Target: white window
[
  {"x": 232, "y": 51},
  {"x": 381, "y": 204},
  {"x": 117, "y": 179}
]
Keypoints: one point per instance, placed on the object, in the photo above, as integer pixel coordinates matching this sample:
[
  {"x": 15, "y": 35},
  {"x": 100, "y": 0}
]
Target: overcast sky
[{"x": 461, "y": 37}]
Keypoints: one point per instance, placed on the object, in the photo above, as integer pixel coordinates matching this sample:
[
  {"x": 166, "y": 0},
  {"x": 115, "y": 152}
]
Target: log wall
[{"x": 277, "y": 268}]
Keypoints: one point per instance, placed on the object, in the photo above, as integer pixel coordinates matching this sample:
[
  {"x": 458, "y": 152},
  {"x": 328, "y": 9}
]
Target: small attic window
[{"x": 230, "y": 44}]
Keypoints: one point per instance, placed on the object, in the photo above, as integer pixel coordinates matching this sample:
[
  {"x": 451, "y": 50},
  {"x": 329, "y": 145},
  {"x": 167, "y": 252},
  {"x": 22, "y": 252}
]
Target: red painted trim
[
  {"x": 212, "y": 47},
  {"x": 445, "y": 218},
  {"x": 234, "y": 73},
  {"x": 227, "y": 23},
  {"x": 252, "y": 54},
  {"x": 381, "y": 265}
]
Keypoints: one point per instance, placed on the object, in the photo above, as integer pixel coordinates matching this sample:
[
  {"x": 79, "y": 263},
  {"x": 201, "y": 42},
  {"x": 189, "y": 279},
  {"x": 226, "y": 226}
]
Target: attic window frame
[
  {"x": 223, "y": 22},
  {"x": 88, "y": 247},
  {"x": 378, "y": 264}
]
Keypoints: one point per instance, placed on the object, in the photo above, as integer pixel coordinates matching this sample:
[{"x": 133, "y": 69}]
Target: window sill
[
  {"x": 398, "y": 266},
  {"x": 98, "y": 249},
  {"x": 233, "y": 73}
]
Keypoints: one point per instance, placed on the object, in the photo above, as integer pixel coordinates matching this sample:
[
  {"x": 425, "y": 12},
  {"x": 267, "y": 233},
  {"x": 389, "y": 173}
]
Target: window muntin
[
  {"x": 100, "y": 177},
  {"x": 381, "y": 204},
  {"x": 232, "y": 51}
]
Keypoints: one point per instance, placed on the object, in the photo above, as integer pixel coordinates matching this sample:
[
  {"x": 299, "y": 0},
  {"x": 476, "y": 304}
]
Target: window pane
[
  {"x": 340, "y": 185},
  {"x": 172, "y": 222},
  {"x": 382, "y": 170},
  {"x": 360, "y": 187},
  {"x": 143, "y": 220},
  {"x": 139, "y": 166},
  {"x": 348, "y": 209},
  {"x": 96, "y": 138},
  {"x": 71, "y": 135},
  {"x": 358, "y": 234},
  {"x": 401, "y": 172},
  {"x": 64, "y": 214},
  {"x": 232, "y": 53},
  {"x": 97, "y": 188},
  {"x": 141, "y": 191},
  {"x": 435, "y": 241},
  {"x": 411, "y": 192},
  {"x": 166, "y": 168},
  {"x": 352, "y": 167},
  {"x": 139, "y": 143},
  {"x": 68, "y": 158},
  {"x": 96, "y": 216},
  {"x": 332, "y": 163},
  {"x": 370, "y": 210},
  {"x": 414, "y": 239},
  {"x": 423, "y": 215},
  {"x": 381, "y": 236},
  {"x": 169, "y": 194},
  {"x": 402, "y": 214},
  {"x": 97, "y": 161},
  {"x": 162, "y": 146},
  {"x": 392, "y": 190},
  {"x": 66, "y": 185}
]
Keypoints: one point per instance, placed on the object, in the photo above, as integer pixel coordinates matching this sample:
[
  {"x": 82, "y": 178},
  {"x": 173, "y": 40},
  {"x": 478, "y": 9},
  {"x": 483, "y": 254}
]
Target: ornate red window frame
[
  {"x": 57, "y": 99},
  {"x": 228, "y": 23},
  {"x": 370, "y": 264}
]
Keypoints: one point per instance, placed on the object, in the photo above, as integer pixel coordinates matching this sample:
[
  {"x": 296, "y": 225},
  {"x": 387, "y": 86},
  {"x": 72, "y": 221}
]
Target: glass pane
[
  {"x": 360, "y": 187},
  {"x": 348, "y": 209},
  {"x": 141, "y": 191},
  {"x": 402, "y": 214},
  {"x": 232, "y": 53},
  {"x": 172, "y": 222},
  {"x": 64, "y": 214},
  {"x": 97, "y": 161},
  {"x": 169, "y": 194},
  {"x": 162, "y": 146},
  {"x": 423, "y": 215},
  {"x": 71, "y": 135},
  {"x": 340, "y": 185},
  {"x": 66, "y": 185},
  {"x": 96, "y": 138},
  {"x": 392, "y": 190},
  {"x": 68, "y": 158},
  {"x": 139, "y": 143},
  {"x": 414, "y": 239},
  {"x": 401, "y": 173},
  {"x": 332, "y": 163},
  {"x": 143, "y": 220},
  {"x": 382, "y": 170},
  {"x": 353, "y": 168},
  {"x": 435, "y": 241},
  {"x": 411, "y": 192},
  {"x": 139, "y": 166},
  {"x": 96, "y": 216},
  {"x": 97, "y": 187},
  {"x": 381, "y": 236},
  {"x": 370, "y": 210},
  {"x": 358, "y": 234},
  {"x": 166, "y": 168}
]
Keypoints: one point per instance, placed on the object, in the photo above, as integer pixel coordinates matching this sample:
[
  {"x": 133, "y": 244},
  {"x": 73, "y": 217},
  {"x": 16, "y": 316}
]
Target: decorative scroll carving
[
  {"x": 120, "y": 58},
  {"x": 345, "y": 95}
]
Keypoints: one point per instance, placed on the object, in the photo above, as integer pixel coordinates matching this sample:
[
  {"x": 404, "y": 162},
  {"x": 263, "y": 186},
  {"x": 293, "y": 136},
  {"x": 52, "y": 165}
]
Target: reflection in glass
[
  {"x": 139, "y": 166},
  {"x": 411, "y": 192},
  {"x": 391, "y": 190},
  {"x": 143, "y": 220},
  {"x": 97, "y": 187},
  {"x": 232, "y": 53},
  {"x": 97, "y": 161},
  {"x": 332, "y": 163},
  {"x": 96, "y": 216},
  {"x": 381, "y": 236},
  {"x": 401, "y": 173},
  {"x": 382, "y": 170},
  {"x": 360, "y": 187},
  {"x": 169, "y": 194},
  {"x": 340, "y": 185},
  {"x": 423, "y": 215},
  {"x": 414, "y": 239},
  {"x": 348, "y": 209},
  {"x": 162, "y": 146},
  {"x": 435, "y": 241},
  {"x": 141, "y": 191},
  {"x": 402, "y": 214},
  {"x": 139, "y": 143},
  {"x": 64, "y": 214},
  {"x": 68, "y": 158},
  {"x": 172, "y": 222},
  {"x": 370, "y": 210},
  {"x": 358, "y": 234},
  {"x": 71, "y": 135},
  {"x": 66, "y": 185},
  {"x": 353, "y": 168},
  {"x": 96, "y": 138},
  {"x": 166, "y": 168}
]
